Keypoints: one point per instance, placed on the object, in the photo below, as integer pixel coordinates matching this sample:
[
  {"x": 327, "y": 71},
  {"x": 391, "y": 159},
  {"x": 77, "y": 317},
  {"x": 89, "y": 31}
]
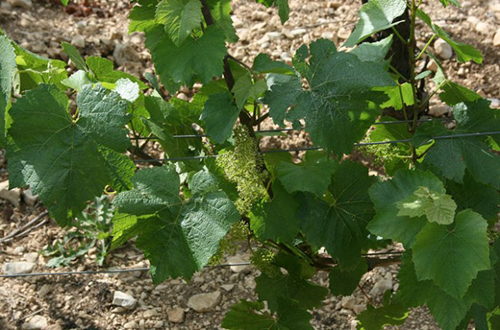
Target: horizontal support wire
[
  {"x": 277, "y": 130},
  {"x": 442, "y": 137},
  {"x": 145, "y": 269}
]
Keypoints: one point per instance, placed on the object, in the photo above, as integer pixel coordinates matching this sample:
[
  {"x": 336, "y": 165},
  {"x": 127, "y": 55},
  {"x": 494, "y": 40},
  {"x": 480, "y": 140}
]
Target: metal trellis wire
[{"x": 442, "y": 137}]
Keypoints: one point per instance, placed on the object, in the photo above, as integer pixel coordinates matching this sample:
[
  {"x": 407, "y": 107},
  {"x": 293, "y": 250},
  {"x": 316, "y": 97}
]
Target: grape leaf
[
  {"x": 250, "y": 316},
  {"x": 174, "y": 117},
  {"x": 447, "y": 2},
  {"x": 376, "y": 318},
  {"x": 375, "y": 16},
  {"x": 178, "y": 236},
  {"x": 481, "y": 198},
  {"x": 290, "y": 287},
  {"x": 276, "y": 220},
  {"x": 374, "y": 51},
  {"x": 452, "y": 257},
  {"x": 180, "y": 17},
  {"x": 283, "y": 10},
  {"x": 334, "y": 119},
  {"x": 454, "y": 93},
  {"x": 7, "y": 68},
  {"x": 221, "y": 13},
  {"x": 142, "y": 16},
  {"x": 35, "y": 70},
  {"x": 193, "y": 59},
  {"x": 247, "y": 89},
  {"x": 103, "y": 71},
  {"x": 75, "y": 56},
  {"x": 447, "y": 310},
  {"x": 220, "y": 114},
  {"x": 385, "y": 196},
  {"x": 311, "y": 176},
  {"x": 79, "y": 79},
  {"x": 436, "y": 206},
  {"x": 340, "y": 225},
  {"x": 452, "y": 156},
  {"x": 263, "y": 64},
  {"x": 69, "y": 161},
  {"x": 344, "y": 282},
  {"x": 464, "y": 52}
]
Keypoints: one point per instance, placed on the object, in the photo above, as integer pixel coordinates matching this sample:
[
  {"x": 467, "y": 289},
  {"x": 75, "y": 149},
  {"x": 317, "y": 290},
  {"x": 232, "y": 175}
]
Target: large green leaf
[
  {"x": 464, "y": 52},
  {"x": 375, "y": 16},
  {"x": 453, "y": 155},
  {"x": 74, "y": 55},
  {"x": 103, "y": 70},
  {"x": 178, "y": 236},
  {"x": 246, "y": 88},
  {"x": 142, "y": 16},
  {"x": 7, "y": 68},
  {"x": 481, "y": 198},
  {"x": 35, "y": 70},
  {"x": 292, "y": 286},
  {"x": 339, "y": 225},
  {"x": 65, "y": 160},
  {"x": 447, "y": 2},
  {"x": 385, "y": 195},
  {"x": 276, "y": 220},
  {"x": 374, "y": 51},
  {"x": 452, "y": 256},
  {"x": 180, "y": 17},
  {"x": 344, "y": 282},
  {"x": 200, "y": 58},
  {"x": 448, "y": 311},
  {"x": 220, "y": 114},
  {"x": 311, "y": 176},
  {"x": 250, "y": 316},
  {"x": 174, "y": 118},
  {"x": 334, "y": 119},
  {"x": 436, "y": 206},
  {"x": 376, "y": 318},
  {"x": 454, "y": 93},
  {"x": 221, "y": 13}
]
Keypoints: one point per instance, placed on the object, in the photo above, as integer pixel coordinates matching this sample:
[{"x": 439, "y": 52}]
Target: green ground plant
[{"x": 440, "y": 200}]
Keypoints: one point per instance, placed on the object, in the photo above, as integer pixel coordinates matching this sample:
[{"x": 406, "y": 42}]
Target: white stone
[
  {"x": 124, "y": 300},
  {"x": 495, "y": 103},
  {"x": 124, "y": 53},
  {"x": 348, "y": 302},
  {"x": 237, "y": 23},
  {"x": 285, "y": 56},
  {"x": 359, "y": 308},
  {"x": 443, "y": 49},
  {"x": 29, "y": 198},
  {"x": 204, "y": 302},
  {"x": 131, "y": 325},
  {"x": 343, "y": 33},
  {"x": 25, "y": 4},
  {"x": 496, "y": 38},
  {"x": 484, "y": 28},
  {"x": 149, "y": 313},
  {"x": 228, "y": 287},
  {"x": 439, "y": 110},
  {"x": 381, "y": 286},
  {"x": 37, "y": 322},
  {"x": 273, "y": 35},
  {"x": 175, "y": 315},
  {"x": 298, "y": 32},
  {"x": 20, "y": 267},
  {"x": 31, "y": 257},
  {"x": 44, "y": 290},
  {"x": 13, "y": 195},
  {"x": 244, "y": 34},
  {"x": 473, "y": 20},
  {"x": 78, "y": 41},
  {"x": 182, "y": 96},
  {"x": 238, "y": 260}
]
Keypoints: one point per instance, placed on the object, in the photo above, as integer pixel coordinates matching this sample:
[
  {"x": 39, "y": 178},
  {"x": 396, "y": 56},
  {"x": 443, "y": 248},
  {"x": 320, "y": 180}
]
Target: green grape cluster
[
  {"x": 241, "y": 166},
  {"x": 238, "y": 233},
  {"x": 263, "y": 259}
]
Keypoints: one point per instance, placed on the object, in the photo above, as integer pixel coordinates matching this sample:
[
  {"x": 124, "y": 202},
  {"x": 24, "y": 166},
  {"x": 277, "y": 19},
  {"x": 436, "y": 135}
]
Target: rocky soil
[{"x": 130, "y": 300}]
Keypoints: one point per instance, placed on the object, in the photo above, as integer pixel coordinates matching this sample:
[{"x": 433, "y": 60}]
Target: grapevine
[{"x": 323, "y": 213}]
